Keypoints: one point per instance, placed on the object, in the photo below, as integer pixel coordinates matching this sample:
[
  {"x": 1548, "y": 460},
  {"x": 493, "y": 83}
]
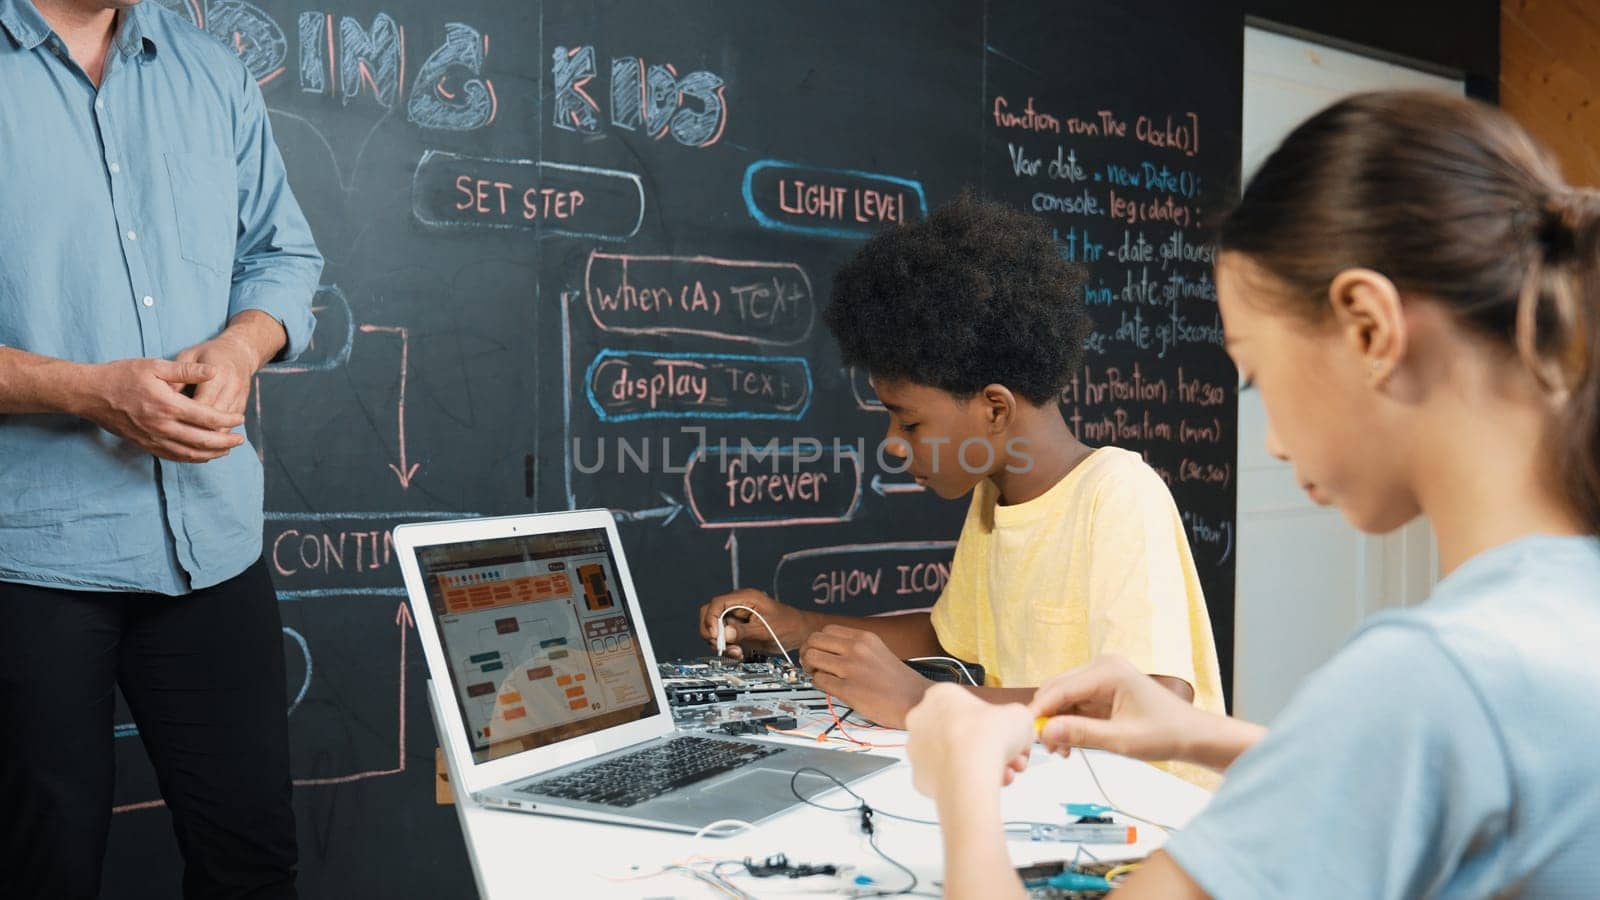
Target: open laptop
[{"x": 550, "y": 696}]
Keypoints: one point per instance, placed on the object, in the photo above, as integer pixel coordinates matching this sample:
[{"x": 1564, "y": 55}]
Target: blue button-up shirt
[{"x": 135, "y": 221}]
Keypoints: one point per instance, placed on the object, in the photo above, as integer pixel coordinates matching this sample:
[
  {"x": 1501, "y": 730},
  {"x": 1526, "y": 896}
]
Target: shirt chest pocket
[
  {"x": 1041, "y": 622},
  {"x": 206, "y": 203}
]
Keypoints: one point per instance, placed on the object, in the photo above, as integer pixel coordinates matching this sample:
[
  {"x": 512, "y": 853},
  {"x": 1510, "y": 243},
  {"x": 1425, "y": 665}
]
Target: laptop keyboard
[{"x": 633, "y": 778}]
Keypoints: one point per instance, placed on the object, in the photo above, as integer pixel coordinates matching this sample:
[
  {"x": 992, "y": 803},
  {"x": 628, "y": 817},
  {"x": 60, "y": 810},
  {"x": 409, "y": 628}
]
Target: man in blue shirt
[{"x": 152, "y": 258}]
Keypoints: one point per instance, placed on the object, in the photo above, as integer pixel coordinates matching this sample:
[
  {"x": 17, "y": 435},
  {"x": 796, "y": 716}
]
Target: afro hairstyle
[{"x": 976, "y": 294}]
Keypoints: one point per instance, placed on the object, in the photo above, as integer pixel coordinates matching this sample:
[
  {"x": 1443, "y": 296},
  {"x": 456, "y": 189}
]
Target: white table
[{"x": 519, "y": 855}]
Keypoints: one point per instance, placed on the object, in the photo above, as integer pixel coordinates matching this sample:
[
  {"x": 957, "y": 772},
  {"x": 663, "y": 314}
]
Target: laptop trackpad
[{"x": 771, "y": 785}]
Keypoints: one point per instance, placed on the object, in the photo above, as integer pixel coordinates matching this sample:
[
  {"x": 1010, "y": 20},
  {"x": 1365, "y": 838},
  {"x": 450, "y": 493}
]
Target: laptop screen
[{"x": 539, "y": 640}]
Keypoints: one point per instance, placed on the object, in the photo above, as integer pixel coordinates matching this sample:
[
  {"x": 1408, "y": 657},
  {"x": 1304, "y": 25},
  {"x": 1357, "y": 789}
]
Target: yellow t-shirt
[{"x": 1097, "y": 564}]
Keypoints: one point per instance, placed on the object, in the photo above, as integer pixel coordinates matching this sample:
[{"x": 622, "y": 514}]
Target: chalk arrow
[
  {"x": 885, "y": 488},
  {"x": 665, "y": 513},
  {"x": 402, "y": 471}
]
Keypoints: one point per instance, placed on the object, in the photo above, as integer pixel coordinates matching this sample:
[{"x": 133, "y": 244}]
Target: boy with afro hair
[{"x": 970, "y": 324}]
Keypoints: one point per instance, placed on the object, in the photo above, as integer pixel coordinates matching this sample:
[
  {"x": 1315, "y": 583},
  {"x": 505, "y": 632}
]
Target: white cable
[
  {"x": 1084, "y": 755},
  {"x": 722, "y": 634},
  {"x": 723, "y": 825},
  {"x": 959, "y": 665}
]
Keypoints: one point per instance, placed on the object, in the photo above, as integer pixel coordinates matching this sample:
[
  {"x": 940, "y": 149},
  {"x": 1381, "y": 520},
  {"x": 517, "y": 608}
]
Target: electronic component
[
  {"x": 714, "y": 680},
  {"x": 1041, "y": 871},
  {"x": 738, "y": 696},
  {"x": 1084, "y": 834},
  {"x": 760, "y": 726},
  {"x": 1064, "y": 880},
  {"x": 779, "y": 864},
  {"x": 758, "y": 713},
  {"x": 698, "y": 691},
  {"x": 936, "y": 668},
  {"x": 1086, "y": 810},
  {"x": 1075, "y": 882}
]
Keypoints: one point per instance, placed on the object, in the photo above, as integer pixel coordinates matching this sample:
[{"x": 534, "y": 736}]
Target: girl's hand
[
  {"x": 1110, "y": 705},
  {"x": 959, "y": 741}
]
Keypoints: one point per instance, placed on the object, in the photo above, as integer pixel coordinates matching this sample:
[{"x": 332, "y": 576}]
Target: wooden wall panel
[{"x": 1550, "y": 78}]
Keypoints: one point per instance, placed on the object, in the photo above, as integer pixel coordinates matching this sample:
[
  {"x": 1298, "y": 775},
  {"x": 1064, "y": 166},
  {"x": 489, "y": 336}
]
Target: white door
[{"x": 1305, "y": 577}]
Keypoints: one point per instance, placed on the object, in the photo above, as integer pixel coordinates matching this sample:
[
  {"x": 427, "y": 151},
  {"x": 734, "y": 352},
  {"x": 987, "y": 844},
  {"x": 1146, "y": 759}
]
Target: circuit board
[
  {"x": 724, "y": 694},
  {"x": 1050, "y": 893},
  {"x": 701, "y": 682},
  {"x": 755, "y": 715}
]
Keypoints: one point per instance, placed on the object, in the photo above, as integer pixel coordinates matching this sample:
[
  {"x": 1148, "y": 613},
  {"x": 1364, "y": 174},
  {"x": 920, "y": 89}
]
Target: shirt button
[
  {"x": 99, "y": 103},
  {"x": 115, "y": 168},
  {"x": 149, "y": 300},
  {"x": 132, "y": 236}
]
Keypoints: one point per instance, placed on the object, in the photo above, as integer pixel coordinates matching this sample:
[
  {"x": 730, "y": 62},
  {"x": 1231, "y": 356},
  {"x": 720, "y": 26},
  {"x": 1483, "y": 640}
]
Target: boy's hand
[
  {"x": 959, "y": 741},
  {"x": 859, "y": 668},
  {"x": 1110, "y": 705},
  {"x": 744, "y": 631}
]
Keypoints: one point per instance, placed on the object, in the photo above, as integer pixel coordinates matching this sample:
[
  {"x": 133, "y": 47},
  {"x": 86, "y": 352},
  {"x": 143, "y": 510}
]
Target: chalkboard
[{"x": 577, "y": 254}]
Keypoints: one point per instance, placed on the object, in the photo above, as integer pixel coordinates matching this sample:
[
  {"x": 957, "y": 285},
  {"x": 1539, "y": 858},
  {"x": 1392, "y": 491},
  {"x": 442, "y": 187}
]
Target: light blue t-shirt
[{"x": 1449, "y": 750}]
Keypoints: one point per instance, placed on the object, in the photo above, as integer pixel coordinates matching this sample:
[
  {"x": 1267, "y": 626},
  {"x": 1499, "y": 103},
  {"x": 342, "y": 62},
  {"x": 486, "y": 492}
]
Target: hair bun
[
  {"x": 1566, "y": 217},
  {"x": 1558, "y": 232}
]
